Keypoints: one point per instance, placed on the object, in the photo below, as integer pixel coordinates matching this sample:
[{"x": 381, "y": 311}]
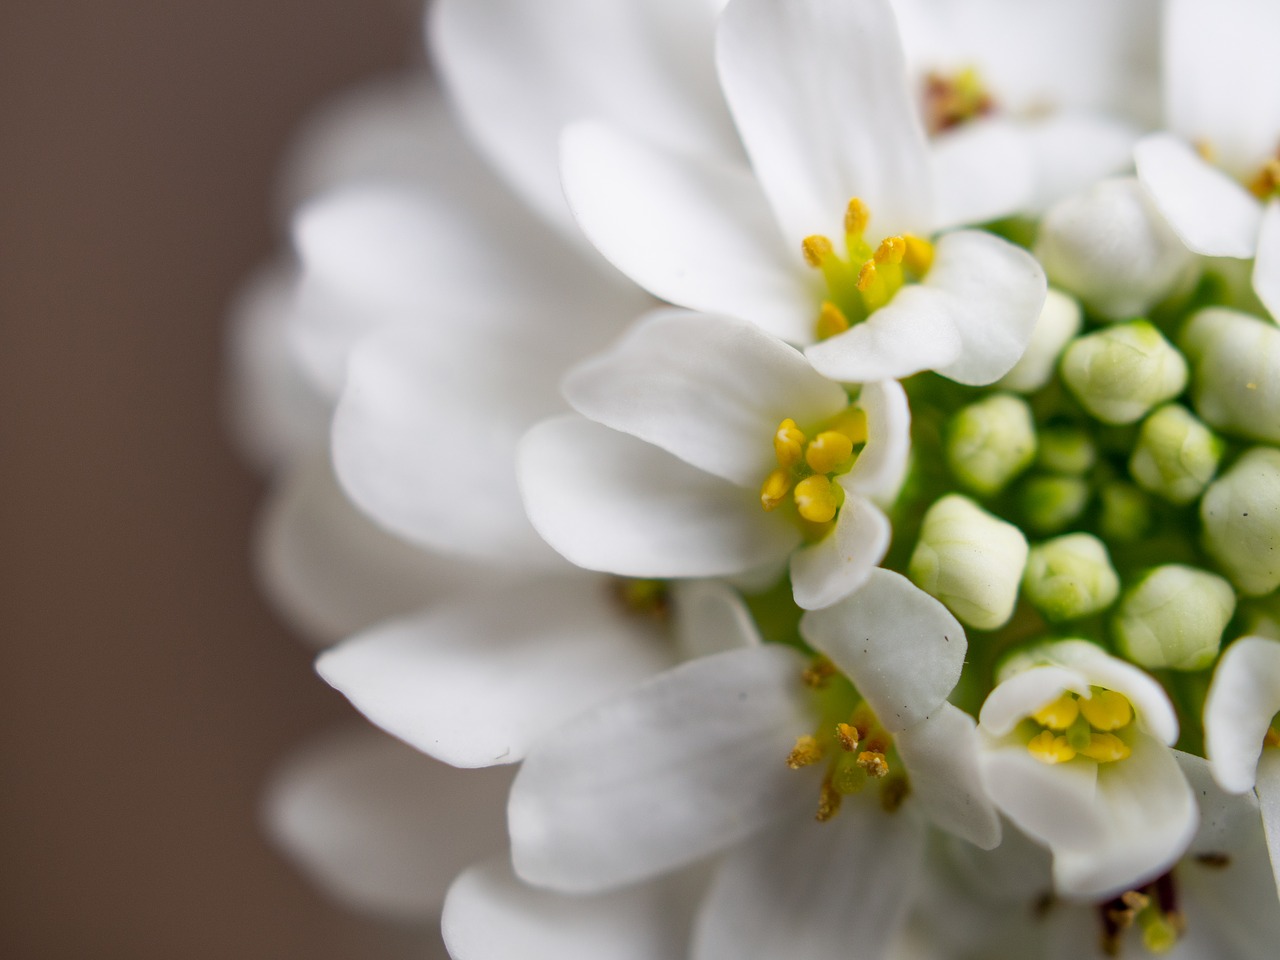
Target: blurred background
[{"x": 145, "y": 689}]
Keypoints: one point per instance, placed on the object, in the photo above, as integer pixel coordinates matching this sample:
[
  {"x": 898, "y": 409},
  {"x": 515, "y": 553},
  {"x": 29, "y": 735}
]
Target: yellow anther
[
  {"x": 1158, "y": 934},
  {"x": 805, "y": 753},
  {"x": 1206, "y": 151},
  {"x": 918, "y": 256},
  {"x": 828, "y": 802},
  {"x": 1058, "y": 715},
  {"x": 1271, "y": 738},
  {"x": 774, "y": 489},
  {"x": 816, "y": 498},
  {"x": 856, "y": 218},
  {"x": 817, "y": 250},
  {"x": 848, "y": 736},
  {"x": 891, "y": 250},
  {"x": 818, "y": 673},
  {"x": 831, "y": 321},
  {"x": 873, "y": 764},
  {"x": 788, "y": 443},
  {"x": 827, "y": 451},
  {"x": 1106, "y": 710},
  {"x": 867, "y": 276},
  {"x": 1048, "y": 747},
  {"x": 1135, "y": 900},
  {"x": 852, "y": 423},
  {"x": 1105, "y": 748},
  {"x": 1267, "y": 181}
]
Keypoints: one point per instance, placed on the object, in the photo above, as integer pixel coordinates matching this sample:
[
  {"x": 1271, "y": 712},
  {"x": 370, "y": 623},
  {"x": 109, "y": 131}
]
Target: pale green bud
[
  {"x": 1126, "y": 511},
  {"x": 1066, "y": 450},
  {"x": 1058, "y": 323},
  {"x": 1121, "y": 372},
  {"x": 1176, "y": 455},
  {"x": 1235, "y": 362},
  {"x": 1174, "y": 617},
  {"x": 1051, "y": 504},
  {"x": 1070, "y": 577},
  {"x": 990, "y": 442},
  {"x": 1110, "y": 247},
  {"x": 969, "y": 560},
  {"x": 1241, "y": 516}
]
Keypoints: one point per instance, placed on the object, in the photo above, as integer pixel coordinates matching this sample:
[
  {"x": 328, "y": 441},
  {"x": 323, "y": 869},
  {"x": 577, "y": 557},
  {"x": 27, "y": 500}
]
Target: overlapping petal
[
  {"x": 824, "y": 572},
  {"x": 1244, "y": 696}
]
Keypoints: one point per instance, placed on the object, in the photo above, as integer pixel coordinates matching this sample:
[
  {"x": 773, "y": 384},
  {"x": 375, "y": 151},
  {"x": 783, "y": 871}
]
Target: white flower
[
  {"x": 817, "y": 92},
  {"x": 734, "y": 453},
  {"x": 1075, "y": 753}
]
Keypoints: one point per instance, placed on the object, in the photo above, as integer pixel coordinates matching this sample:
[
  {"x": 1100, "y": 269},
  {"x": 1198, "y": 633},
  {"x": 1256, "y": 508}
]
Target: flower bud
[
  {"x": 1110, "y": 247},
  {"x": 1241, "y": 516},
  {"x": 1126, "y": 511},
  {"x": 1059, "y": 321},
  {"x": 1176, "y": 455},
  {"x": 990, "y": 442},
  {"x": 1067, "y": 450},
  {"x": 1051, "y": 504},
  {"x": 1235, "y": 362},
  {"x": 1070, "y": 577},
  {"x": 1174, "y": 617},
  {"x": 969, "y": 560},
  {"x": 1121, "y": 372}
]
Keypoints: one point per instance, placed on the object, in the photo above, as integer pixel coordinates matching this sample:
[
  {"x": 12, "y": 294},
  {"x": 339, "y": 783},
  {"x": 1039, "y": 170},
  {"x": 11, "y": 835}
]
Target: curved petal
[
  {"x": 1053, "y": 805},
  {"x": 826, "y": 572},
  {"x": 1266, "y": 268},
  {"x": 981, "y": 171},
  {"x": 902, "y": 649},
  {"x": 710, "y": 617},
  {"x": 1268, "y": 787},
  {"x": 490, "y": 915},
  {"x": 1242, "y": 699},
  {"x": 807, "y": 891},
  {"x": 1072, "y": 150},
  {"x": 710, "y": 390},
  {"x": 362, "y": 814},
  {"x": 610, "y": 502},
  {"x": 941, "y": 757},
  {"x": 692, "y": 230},
  {"x": 818, "y": 90},
  {"x": 882, "y": 465},
  {"x": 562, "y": 643},
  {"x": 1150, "y": 702},
  {"x": 682, "y": 766},
  {"x": 1024, "y": 693},
  {"x": 1211, "y": 213}
]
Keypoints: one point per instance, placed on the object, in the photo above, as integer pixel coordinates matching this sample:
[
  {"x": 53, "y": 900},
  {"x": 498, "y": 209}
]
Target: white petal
[
  {"x": 994, "y": 292},
  {"x": 981, "y": 171},
  {"x": 826, "y": 572},
  {"x": 1268, "y": 788},
  {"x": 682, "y": 766},
  {"x": 710, "y": 617},
  {"x": 1055, "y": 805},
  {"x": 1147, "y": 817},
  {"x": 881, "y": 466},
  {"x": 808, "y": 891},
  {"x": 479, "y": 680},
  {"x": 818, "y": 90},
  {"x": 901, "y": 648},
  {"x": 1229, "y": 822},
  {"x": 332, "y": 571},
  {"x": 1242, "y": 699},
  {"x": 1266, "y": 269},
  {"x": 520, "y": 74},
  {"x": 711, "y": 390},
  {"x": 380, "y": 826},
  {"x": 1211, "y": 213},
  {"x": 692, "y": 230},
  {"x": 941, "y": 757},
  {"x": 491, "y": 915},
  {"x": 610, "y": 502},
  {"x": 1073, "y": 150},
  {"x": 1024, "y": 693}
]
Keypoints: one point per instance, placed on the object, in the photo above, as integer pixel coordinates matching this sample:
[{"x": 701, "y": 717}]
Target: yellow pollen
[
  {"x": 817, "y": 250},
  {"x": 816, "y": 499},
  {"x": 1158, "y": 934},
  {"x": 1107, "y": 710},
  {"x": 1267, "y": 181},
  {"x": 1105, "y": 748},
  {"x": 867, "y": 276},
  {"x": 818, "y": 673},
  {"x": 788, "y": 443},
  {"x": 1058, "y": 715},
  {"x": 1135, "y": 900},
  {"x": 805, "y": 753},
  {"x": 891, "y": 250},
  {"x": 848, "y": 736},
  {"x": 918, "y": 256},
  {"x": 828, "y": 802},
  {"x": 873, "y": 764},
  {"x": 831, "y": 321},
  {"x": 828, "y": 451},
  {"x": 856, "y": 218},
  {"x": 774, "y": 489},
  {"x": 853, "y": 424},
  {"x": 1048, "y": 747}
]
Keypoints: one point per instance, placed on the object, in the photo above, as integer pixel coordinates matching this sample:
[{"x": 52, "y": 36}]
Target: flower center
[
  {"x": 951, "y": 100},
  {"x": 1266, "y": 182},
  {"x": 866, "y": 278},
  {"x": 805, "y": 476},
  {"x": 1152, "y": 910},
  {"x": 1072, "y": 726}
]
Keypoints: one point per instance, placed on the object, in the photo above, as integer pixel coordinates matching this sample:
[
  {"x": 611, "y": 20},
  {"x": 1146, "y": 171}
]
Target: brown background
[{"x": 145, "y": 690}]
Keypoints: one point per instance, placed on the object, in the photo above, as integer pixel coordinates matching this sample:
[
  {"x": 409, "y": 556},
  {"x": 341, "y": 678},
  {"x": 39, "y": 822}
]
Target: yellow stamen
[
  {"x": 827, "y": 451},
  {"x": 856, "y": 218},
  {"x": 817, "y": 499},
  {"x": 852, "y": 423},
  {"x": 1105, "y": 748},
  {"x": 774, "y": 489},
  {"x": 818, "y": 673},
  {"x": 891, "y": 250},
  {"x": 788, "y": 443},
  {"x": 918, "y": 257},
  {"x": 828, "y": 802},
  {"x": 1107, "y": 710},
  {"x": 1271, "y": 738},
  {"x": 817, "y": 250},
  {"x": 831, "y": 321},
  {"x": 1059, "y": 714},
  {"x": 1158, "y": 934},
  {"x": 873, "y": 764},
  {"x": 805, "y": 753},
  {"x": 1267, "y": 181},
  {"x": 848, "y": 736},
  {"x": 867, "y": 276},
  {"x": 1050, "y": 748}
]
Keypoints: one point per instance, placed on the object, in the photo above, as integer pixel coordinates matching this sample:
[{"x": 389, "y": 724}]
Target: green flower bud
[
  {"x": 1070, "y": 577},
  {"x": 1241, "y": 516},
  {"x": 1051, "y": 504},
  {"x": 990, "y": 442},
  {"x": 1126, "y": 512},
  {"x": 1174, "y": 617},
  {"x": 1235, "y": 362},
  {"x": 969, "y": 560},
  {"x": 1121, "y": 372},
  {"x": 1066, "y": 450},
  {"x": 1058, "y": 323},
  {"x": 1176, "y": 455}
]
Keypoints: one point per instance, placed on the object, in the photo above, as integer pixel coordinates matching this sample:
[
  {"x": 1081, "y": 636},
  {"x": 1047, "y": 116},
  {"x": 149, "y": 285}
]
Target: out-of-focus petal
[
  {"x": 981, "y": 171},
  {"x": 1242, "y": 699},
  {"x": 827, "y": 571}
]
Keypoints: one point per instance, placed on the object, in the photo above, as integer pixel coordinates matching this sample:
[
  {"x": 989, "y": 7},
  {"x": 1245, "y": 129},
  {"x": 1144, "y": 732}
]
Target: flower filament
[
  {"x": 1072, "y": 726},
  {"x": 807, "y": 468},
  {"x": 1152, "y": 910}
]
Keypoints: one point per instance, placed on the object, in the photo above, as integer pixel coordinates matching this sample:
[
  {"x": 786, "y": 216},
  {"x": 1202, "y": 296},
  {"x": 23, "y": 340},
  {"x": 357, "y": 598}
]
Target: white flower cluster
[{"x": 828, "y": 449}]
